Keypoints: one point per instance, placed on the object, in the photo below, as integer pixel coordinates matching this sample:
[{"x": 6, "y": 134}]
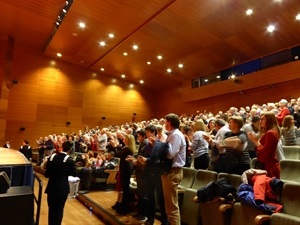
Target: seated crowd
[{"x": 224, "y": 142}]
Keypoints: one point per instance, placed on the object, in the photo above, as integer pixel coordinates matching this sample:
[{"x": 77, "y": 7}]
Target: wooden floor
[
  {"x": 93, "y": 208},
  {"x": 74, "y": 212}
]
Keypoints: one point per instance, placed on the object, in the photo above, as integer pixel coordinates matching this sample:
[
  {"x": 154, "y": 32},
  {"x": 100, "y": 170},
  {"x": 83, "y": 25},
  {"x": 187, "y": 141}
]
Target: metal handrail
[{"x": 38, "y": 199}]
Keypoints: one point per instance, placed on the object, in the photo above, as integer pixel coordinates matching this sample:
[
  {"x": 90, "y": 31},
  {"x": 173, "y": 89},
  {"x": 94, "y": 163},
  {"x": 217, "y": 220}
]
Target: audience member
[
  {"x": 199, "y": 145},
  {"x": 289, "y": 131},
  {"x": 171, "y": 180},
  {"x": 267, "y": 144},
  {"x": 283, "y": 111},
  {"x": 252, "y": 127}
]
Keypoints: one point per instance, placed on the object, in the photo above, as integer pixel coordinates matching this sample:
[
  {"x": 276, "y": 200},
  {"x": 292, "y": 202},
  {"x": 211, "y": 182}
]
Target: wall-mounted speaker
[
  {"x": 68, "y": 123},
  {"x": 22, "y": 128}
]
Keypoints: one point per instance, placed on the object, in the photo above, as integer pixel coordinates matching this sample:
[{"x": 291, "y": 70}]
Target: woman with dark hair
[{"x": 267, "y": 144}]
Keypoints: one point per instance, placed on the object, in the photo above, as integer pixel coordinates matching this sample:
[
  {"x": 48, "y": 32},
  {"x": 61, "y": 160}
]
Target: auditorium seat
[
  {"x": 190, "y": 211},
  {"x": 290, "y": 170},
  {"x": 291, "y": 152},
  {"x": 207, "y": 209},
  {"x": 203, "y": 177},
  {"x": 187, "y": 180},
  {"x": 291, "y": 212}
]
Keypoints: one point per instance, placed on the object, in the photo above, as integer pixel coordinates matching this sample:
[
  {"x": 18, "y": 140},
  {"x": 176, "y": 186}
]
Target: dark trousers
[
  {"x": 201, "y": 162},
  {"x": 155, "y": 198},
  {"x": 56, "y": 204},
  {"x": 41, "y": 155}
]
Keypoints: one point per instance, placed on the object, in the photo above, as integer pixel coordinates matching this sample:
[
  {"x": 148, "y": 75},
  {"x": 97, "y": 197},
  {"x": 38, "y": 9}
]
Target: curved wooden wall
[{"x": 51, "y": 93}]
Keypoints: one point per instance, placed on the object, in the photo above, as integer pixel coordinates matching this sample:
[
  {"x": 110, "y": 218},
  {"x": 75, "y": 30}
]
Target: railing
[{"x": 37, "y": 199}]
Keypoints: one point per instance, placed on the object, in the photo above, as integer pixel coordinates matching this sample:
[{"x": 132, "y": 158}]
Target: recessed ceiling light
[
  {"x": 102, "y": 69},
  {"x": 111, "y": 35},
  {"x": 94, "y": 74},
  {"x": 141, "y": 81},
  {"x": 169, "y": 70},
  {"x": 135, "y": 47},
  {"x": 125, "y": 53},
  {"x": 102, "y": 43},
  {"x": 59, "y": 54},
  {"x": 82, "y": 25},
  {"x": 113, "y": 80},
  {"x": 149, "y": 63},
  {"x": 131, "y": 85},
  {"x": 298, "y": 17},
  {"x": 249, "y": 12},
  {"x": 271, "y": 28},
  {"x": 123, "y": 76},
  {"x": 159, "y": 57},
  {"x": 180, "y": 65},
  {"x": 206, "y": 80},
  {"x": 218, "y": 77}
]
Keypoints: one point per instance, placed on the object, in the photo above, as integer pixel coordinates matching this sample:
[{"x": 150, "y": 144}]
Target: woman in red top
[{"x": 267, "y": 144}]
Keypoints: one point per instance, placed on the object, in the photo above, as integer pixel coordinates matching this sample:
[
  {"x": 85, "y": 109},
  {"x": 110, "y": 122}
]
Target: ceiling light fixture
[
  {"x": 135, "y": 47},
  {"x": 169, "y": 70},
  {"x": 102, "y": 43},
  {"x": 180, "y": 65},
  {"x": 123, "y": 76},
  {"x": 62, "y": 14},
  {"x": 58, "y": 54},
  {"x": 111, "y": 35},
  {"x": 270, "y": 28},
  {"x": 159, "y": 57},
  {"x": 102, "y": 69},
  {"x": 206, "y": 80},
  {"x": 125, "y": 53},
  {"x": 298, "y": 17},
  {"x": 131, "y": 85},
  {"x": 149, "y": 63},
  {"x": 82, "y": 25},
  {"x": 249, "y": 12},
  {"x": 141, "y": 81}
]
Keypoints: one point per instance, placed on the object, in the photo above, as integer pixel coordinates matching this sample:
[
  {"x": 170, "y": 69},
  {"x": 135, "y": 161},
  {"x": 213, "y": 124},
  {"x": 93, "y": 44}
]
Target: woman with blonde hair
[
  {"x": 266, "y": 145},
  {"x": 289, "y": 131},
  {"x": 199, "y": 145}
]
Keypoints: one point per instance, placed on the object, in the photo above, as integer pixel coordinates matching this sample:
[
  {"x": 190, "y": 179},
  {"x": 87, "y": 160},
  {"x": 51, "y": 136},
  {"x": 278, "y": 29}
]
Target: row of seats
[{"x": 216, "y": 212}]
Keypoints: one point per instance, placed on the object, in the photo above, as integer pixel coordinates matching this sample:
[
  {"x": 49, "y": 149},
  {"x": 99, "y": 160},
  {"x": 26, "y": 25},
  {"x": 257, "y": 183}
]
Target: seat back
[
  {"x": 203, "y": 177},
  {"x": 243, "y": 214},
  {"x": 291, "y": 152},
  {"x": 233, "y": 179},
  {"x": 291, "y": 199},
  {"x": 290, "y": 170},
  {"x": 188, "y": 178}
]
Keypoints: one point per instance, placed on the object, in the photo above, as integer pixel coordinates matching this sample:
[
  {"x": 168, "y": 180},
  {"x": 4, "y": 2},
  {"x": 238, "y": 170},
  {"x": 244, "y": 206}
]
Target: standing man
[
  {"x": 170, "y": 180},
  {"x": 59, "y": 167},
  {"x": 26, "y": 150}
]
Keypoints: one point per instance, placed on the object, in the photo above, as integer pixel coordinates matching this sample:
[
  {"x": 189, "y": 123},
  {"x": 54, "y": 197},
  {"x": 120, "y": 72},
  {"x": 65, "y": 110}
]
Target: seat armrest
[
  {"x": 260, "y": 219},
  {"x": 225, "y": 207}
]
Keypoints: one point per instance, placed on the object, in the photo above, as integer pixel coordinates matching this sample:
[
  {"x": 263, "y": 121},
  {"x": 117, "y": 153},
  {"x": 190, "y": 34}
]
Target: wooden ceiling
[{"x": 204, "y": 35}]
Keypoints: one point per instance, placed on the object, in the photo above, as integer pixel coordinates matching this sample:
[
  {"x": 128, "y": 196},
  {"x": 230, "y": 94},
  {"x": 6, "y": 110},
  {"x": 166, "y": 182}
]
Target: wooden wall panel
[{"x": 49, "y": 93}]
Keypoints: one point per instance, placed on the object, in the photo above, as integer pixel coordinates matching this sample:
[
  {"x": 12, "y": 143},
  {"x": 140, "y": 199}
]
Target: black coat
[{"x": 58, "y": 171}]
